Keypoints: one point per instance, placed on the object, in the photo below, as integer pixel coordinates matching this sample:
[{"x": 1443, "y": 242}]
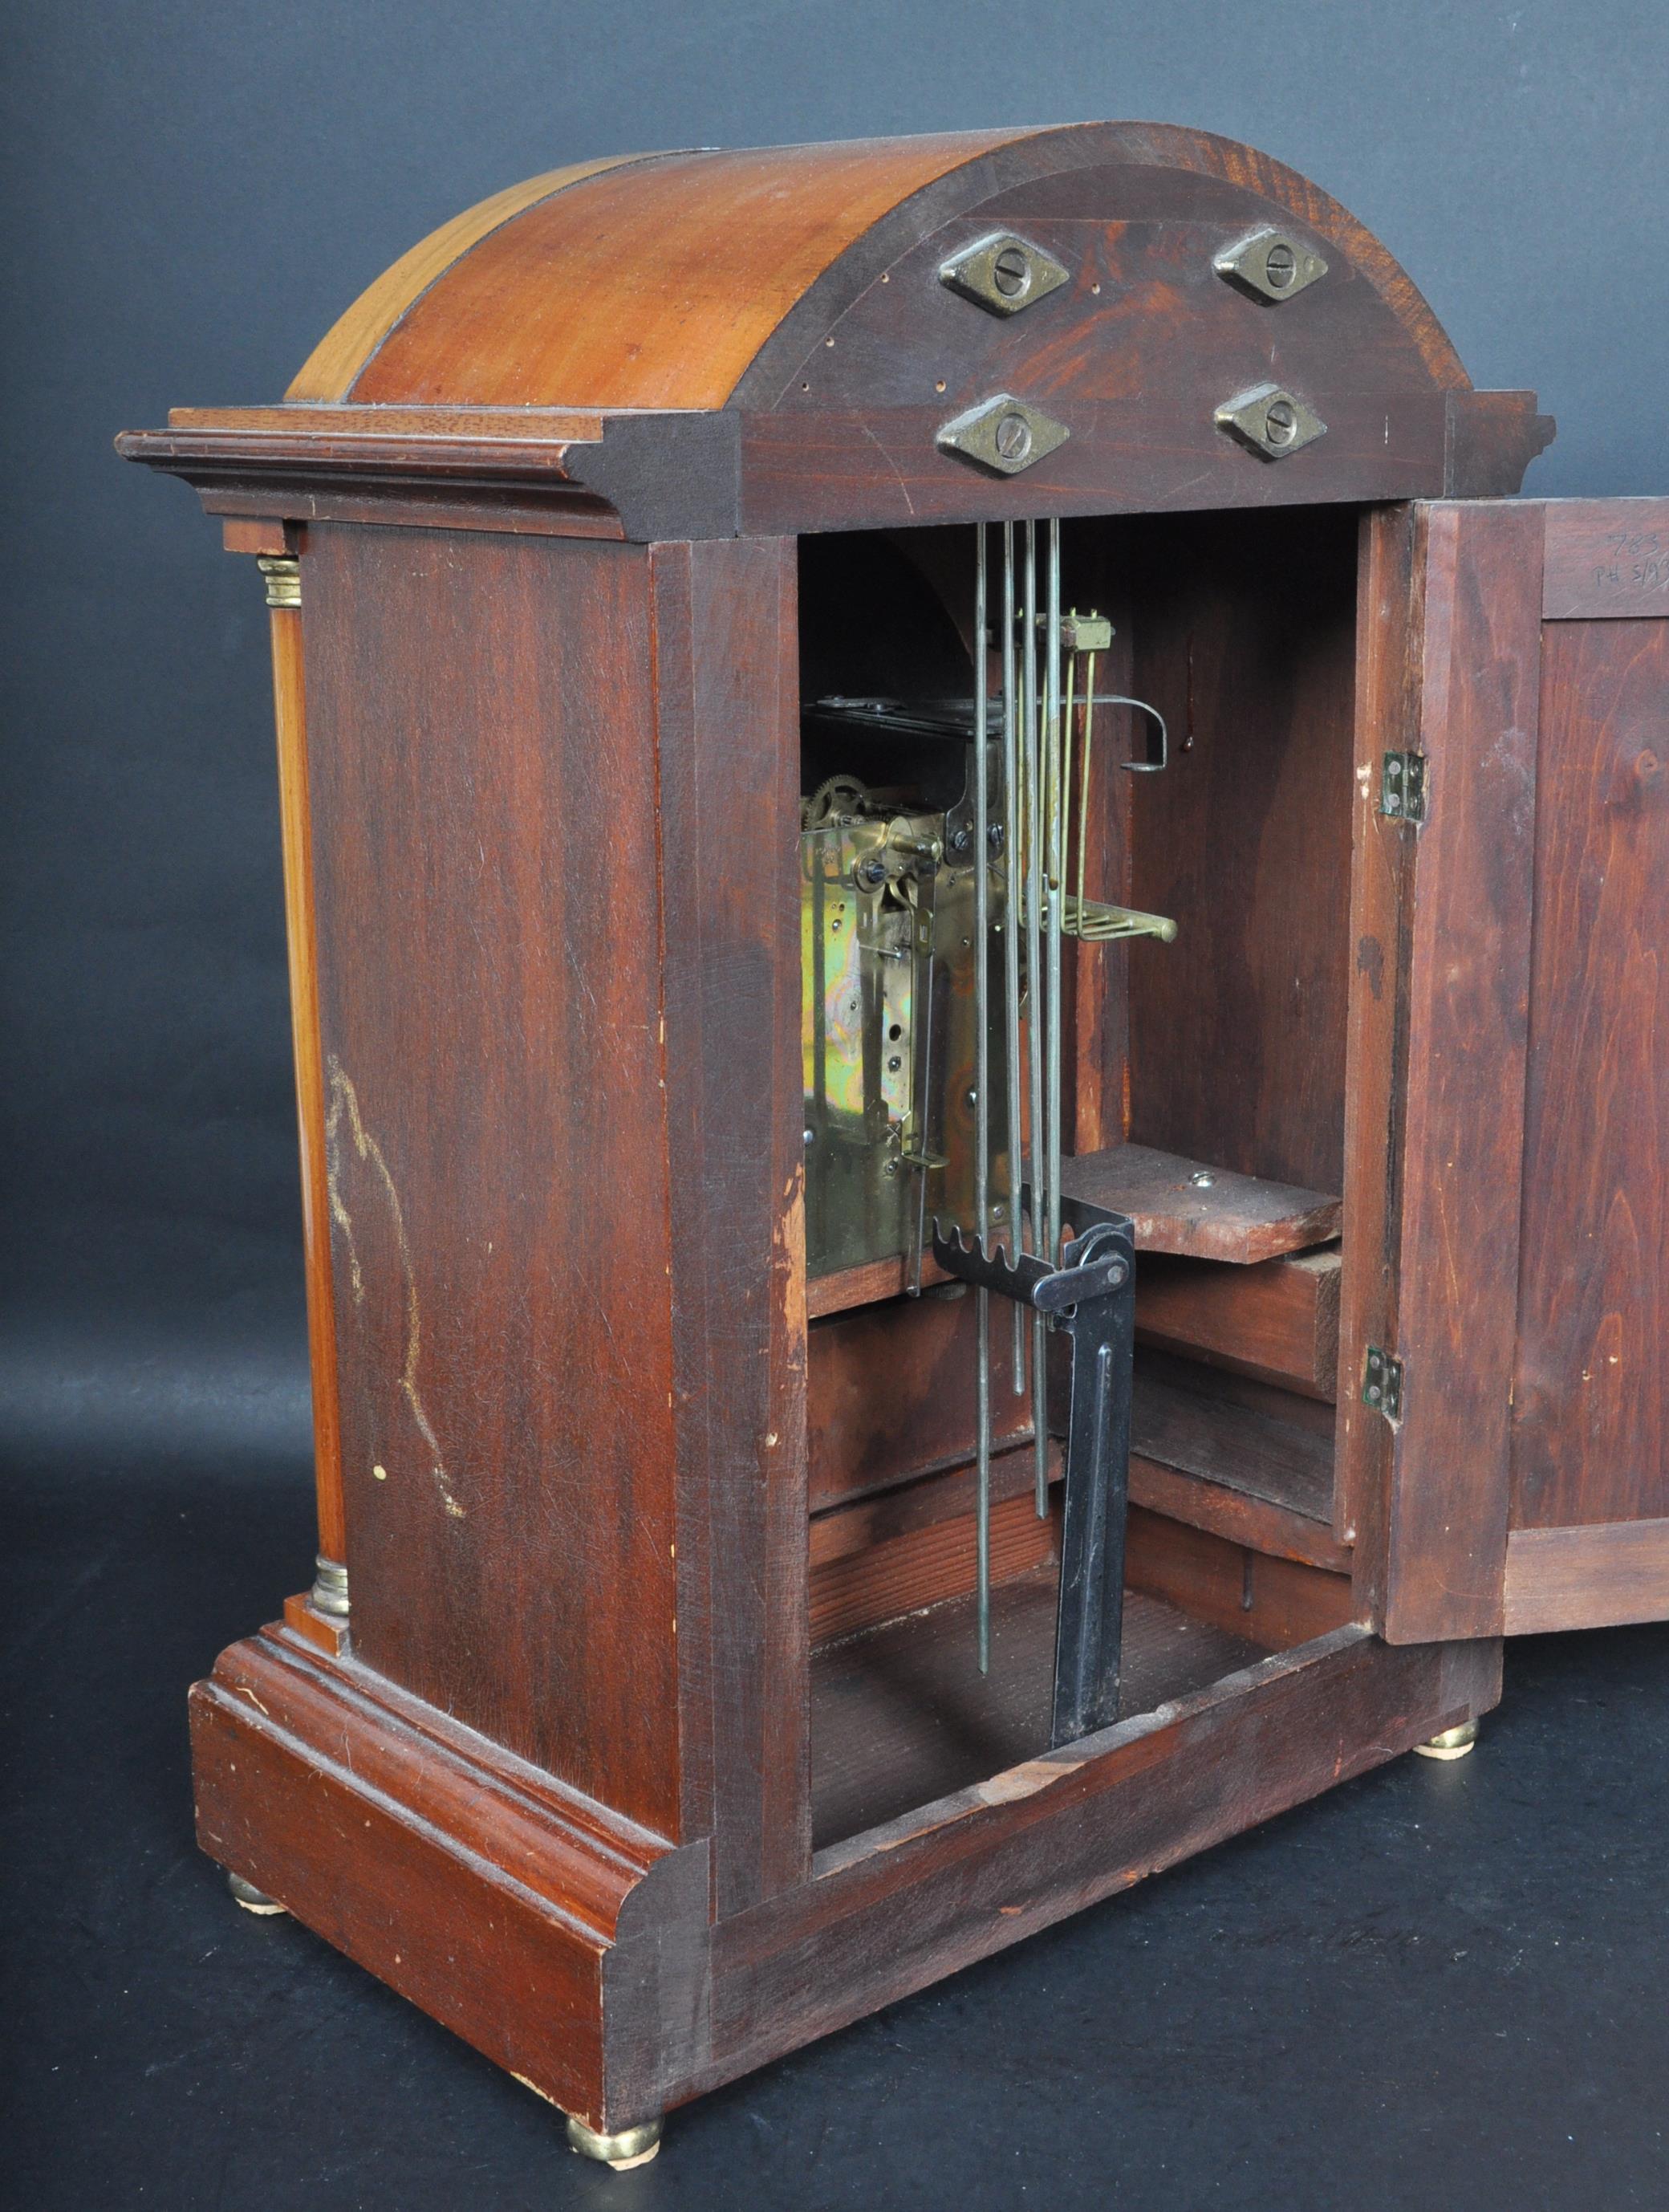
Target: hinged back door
[{"x": 1509, "y": 1081}]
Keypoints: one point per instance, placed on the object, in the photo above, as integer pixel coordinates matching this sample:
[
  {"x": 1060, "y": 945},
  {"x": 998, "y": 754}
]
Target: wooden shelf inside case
[
  {"x": 1277, "y": 1320},
  {"x": 901, "y": 1715},
  {"x": 1202, "y": 1212},
  {"x": 866, "y": 1285},
  {"x": 1252, "y": 1464}
]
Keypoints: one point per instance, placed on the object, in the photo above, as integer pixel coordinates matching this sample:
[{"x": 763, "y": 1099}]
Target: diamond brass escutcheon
[
  {"x": 1004, "y": 435},
  {"x": 1270, "y": 264},
  {"x": 1271, "y": 420},
  {"x": 1002, "y": 273}
]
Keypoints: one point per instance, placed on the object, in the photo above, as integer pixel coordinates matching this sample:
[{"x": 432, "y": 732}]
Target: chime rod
[
  {"x": 1011, "y": 927},
  {"x": 1056, "y": 823},
  {"x": 817, "y": 1185},
  {"x": 1084, "y": 778},
  {"x": 1035, "y": 994},
  {"x": 924, "y": 926},
  {"x": 981, "y": 1103}
]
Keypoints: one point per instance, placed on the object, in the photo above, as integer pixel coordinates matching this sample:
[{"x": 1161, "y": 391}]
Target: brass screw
[
  {"x": 1011, "y": 272},
  {"x": 1280, "y": 265},
  {"x": 1280, "y": 423},
  {"x": 1014, "y": 437}
]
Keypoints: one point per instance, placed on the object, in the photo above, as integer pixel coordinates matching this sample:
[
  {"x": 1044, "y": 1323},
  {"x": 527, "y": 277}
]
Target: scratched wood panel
[
  {"x": 1590, "y": 1439},
  {"x": 896, "y": 1908},
  {"x": 726, "y": 733},
  {"x": 484, "y": 845},
  {"x": 1606, "y": 559}
]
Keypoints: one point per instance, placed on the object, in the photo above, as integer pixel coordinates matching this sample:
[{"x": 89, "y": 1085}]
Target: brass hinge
[
  {"x": 1403, "y": 788},
  {"x": 1382, "y": 1383}
]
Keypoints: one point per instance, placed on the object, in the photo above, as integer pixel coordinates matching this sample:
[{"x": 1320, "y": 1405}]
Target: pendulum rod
[
  {"x": 981, "y": 1097},
  {"x": 1011, "y": 927},
  {"x": 1035, "y": 996}
]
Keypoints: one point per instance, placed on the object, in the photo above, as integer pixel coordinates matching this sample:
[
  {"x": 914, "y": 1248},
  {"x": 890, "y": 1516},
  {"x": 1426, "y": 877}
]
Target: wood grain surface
[
  {"x": 1605, "y": 559},
  {"x": 1181, "y": 1420},
  {"x": 1277, "y": 1320},
  {"x": 1244, "y": 640},
  {"x": 1463, "y": 1128},
  {"x": 1253, "y": 1524},
  {"x": 481, "y": 808},
  {"x": 726, "y": 941},
  {"x": 652, "y": 285},
  {"x": 875, "y": 1279},
  {"x": 1591, "y": 1396},
  {"x": 895, "y": 1909},
  {"x": 930, "y": 1562},
  {"x": 889, "y": 1393},
  {"x": 796, "y": 291},
  {"x": 1238, "y": 1220},
  {"x": 575, "y": 1949},
  {"x": 901, "y": 1716},
  {"x": 1587, "y": 1576},
  {"x": 330, "y": 369},
  {"x": 290, "y": 702},
  {"x": 1275, "y": 1599},
  {"x": 1389, "y": 633}
]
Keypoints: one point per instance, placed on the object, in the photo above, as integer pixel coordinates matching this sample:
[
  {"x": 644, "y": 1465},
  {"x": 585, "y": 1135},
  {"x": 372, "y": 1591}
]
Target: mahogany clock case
[{"x": 628, "y": 1726}]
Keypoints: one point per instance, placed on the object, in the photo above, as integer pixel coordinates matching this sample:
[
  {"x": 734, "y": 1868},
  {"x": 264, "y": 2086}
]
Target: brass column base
[
  {"x": 1453, "y": 1743},
  {"x": 631, "y": 2146},
  {"x": 252, "y": 1899}
]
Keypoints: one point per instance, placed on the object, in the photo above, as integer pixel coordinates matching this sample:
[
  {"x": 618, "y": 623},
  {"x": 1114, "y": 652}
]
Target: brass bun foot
[
  {"x": 251, "y": 1898},
  {"x": 1454, "y": 1743},
  {"x": 631, "y": 2146}
]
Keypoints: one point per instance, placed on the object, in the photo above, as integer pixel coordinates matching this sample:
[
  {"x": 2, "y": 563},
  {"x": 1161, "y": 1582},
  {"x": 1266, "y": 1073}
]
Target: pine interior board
[
  {"x": 1240, "y": 1447},
  {"x": 1237, "y": 1218},
  {"x": 1276, "y": 1322},
  {"x": 901, "y": 1715}
]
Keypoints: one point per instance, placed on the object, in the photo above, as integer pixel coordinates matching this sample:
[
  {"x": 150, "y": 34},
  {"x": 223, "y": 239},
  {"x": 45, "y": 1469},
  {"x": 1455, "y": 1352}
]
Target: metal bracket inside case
[{"x": 1090, "y": 1298}]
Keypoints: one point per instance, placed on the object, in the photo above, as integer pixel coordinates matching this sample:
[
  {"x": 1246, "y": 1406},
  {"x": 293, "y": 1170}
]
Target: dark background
[{"x": 1438, "y": 1986}]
